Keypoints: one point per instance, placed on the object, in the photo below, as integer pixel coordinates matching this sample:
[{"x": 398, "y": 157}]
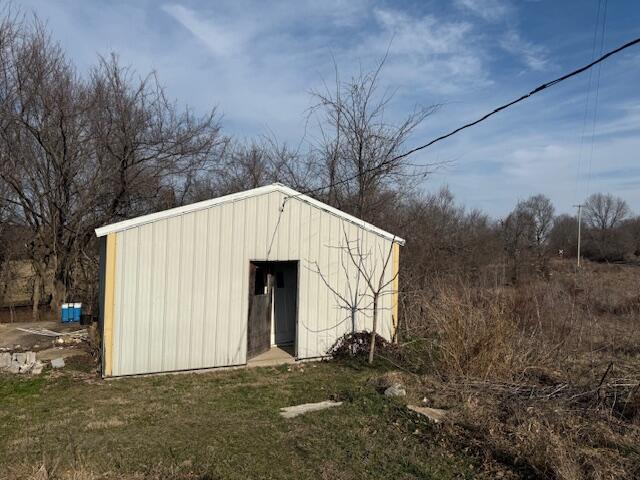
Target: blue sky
[{"x": 258, "y": 61}]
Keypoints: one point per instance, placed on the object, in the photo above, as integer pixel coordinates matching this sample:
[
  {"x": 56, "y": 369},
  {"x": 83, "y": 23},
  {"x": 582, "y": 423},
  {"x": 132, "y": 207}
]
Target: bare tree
[
  {"x": 516, "y": 230},
  {"x": 367, "y": 278},
  {"x": 540, "y": 212},
  {"x": 358, "y": 150},
  {"x": 76, "y": 154},
  {"x": 603, "y": 214}
]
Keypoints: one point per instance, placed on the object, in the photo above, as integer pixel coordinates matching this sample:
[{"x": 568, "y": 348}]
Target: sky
[{"x": 257, "y": 63}]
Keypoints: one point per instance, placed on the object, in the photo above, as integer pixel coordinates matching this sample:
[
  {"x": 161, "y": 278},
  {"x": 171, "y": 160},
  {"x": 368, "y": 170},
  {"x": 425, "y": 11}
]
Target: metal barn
[{"x": 220, "y": 282}]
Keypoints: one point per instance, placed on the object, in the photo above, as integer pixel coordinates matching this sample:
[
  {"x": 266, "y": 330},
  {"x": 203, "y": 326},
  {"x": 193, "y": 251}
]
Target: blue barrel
[
  {"x": 66, "y": 313},
  {"x": 77, "y": 312}
]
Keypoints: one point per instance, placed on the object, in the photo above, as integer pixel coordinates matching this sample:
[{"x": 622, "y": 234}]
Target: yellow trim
[
  {"x": 396, "y": 287},
  {"x": 109, "y": 302}
]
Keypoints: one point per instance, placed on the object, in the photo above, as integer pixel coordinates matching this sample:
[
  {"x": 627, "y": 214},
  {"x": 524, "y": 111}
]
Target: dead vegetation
[{"x": 542, "y": 378}]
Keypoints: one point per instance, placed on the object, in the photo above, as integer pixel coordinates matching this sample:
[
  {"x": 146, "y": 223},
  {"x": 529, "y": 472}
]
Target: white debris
[
  {"x": 396, "y": 390},
  {"x": 51, "y": 333},
  {"x": 37, "y": 368},
  {"x": 294, "y": 411},
  {"x": 21, "y": 362},
  {"x": 436, "y": 415},
  {"x": 57, "y": 363}
]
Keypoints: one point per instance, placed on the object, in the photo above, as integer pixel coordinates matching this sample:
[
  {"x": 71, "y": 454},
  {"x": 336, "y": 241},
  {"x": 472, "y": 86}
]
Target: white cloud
[
  {"x": 426, "y": 53},
  {"x": 259, "y": 67},
  {"x": 490, "y": 10},
  {"x": 532, "y": 55},
  {"x": 427, "y": 35},
  {"x": 221, "y": 40}
]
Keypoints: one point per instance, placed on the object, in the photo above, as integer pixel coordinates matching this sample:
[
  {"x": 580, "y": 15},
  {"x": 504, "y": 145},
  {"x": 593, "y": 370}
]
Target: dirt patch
[{"x": 11, "y": 335}]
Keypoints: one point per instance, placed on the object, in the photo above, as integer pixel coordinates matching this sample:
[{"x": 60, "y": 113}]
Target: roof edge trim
[{"x": 275, "y": 187}]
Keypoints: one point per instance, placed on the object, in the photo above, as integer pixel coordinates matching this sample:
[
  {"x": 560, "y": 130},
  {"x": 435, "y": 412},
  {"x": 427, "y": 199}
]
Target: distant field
[{"x": 215, "y": 425}]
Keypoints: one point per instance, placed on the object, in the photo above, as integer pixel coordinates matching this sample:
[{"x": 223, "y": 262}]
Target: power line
[
  {"x": 595, "y": 104},
  {"x": 536, "y": 90},
  {"x": 523, "y": 97},
  {"x": 587, "y": 99}
]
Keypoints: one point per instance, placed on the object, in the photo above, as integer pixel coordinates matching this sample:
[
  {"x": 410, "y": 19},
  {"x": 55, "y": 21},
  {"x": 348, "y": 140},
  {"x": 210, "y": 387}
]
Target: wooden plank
[
  {"x": 259, "y": 323},
  {"x": 396, "y": 287},
  {"x": 109, "y": 300}
]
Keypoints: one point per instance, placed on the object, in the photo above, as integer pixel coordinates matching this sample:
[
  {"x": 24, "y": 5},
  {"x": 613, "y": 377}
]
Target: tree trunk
[
  {"x": 372, "y": 342},
  {"x": 37, "y": 293},
  {"x": 58, "y": 296}
]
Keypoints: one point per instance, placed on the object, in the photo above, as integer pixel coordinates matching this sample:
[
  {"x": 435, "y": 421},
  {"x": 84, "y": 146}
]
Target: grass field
[
  {"x": 215, "y": 425},
  {"x": 540, "y": 380}
]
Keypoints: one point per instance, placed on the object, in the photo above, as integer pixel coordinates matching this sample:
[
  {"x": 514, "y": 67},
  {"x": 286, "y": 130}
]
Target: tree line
[{"x": 81, "y": 150}]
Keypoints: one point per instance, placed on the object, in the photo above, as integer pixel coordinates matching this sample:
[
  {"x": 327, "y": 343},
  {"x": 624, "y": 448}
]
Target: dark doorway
[{"x": 273, "y": 294}]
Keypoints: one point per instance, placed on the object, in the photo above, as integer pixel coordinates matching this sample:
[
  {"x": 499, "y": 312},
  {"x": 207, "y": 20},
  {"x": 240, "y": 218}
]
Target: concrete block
[
  {"x": 37, "y": 368},
  {"x": 57, "y": 363},
  {"x": 19, "y": 358},
  {"x": 291, "y": 412},
  {"x": 5, "y": 360}
]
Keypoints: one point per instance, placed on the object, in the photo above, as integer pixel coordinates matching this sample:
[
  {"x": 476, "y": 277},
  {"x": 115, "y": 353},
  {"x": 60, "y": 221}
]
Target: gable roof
[{"x": 275, "y": 187}]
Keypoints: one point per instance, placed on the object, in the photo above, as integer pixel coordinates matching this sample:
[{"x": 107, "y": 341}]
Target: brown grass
[{"x": 543, "y": 377}]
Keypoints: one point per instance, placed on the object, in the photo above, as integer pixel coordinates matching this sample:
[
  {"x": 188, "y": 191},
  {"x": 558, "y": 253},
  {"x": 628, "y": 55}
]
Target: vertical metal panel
[
  {"x": 237, "y": 278},
  {"x": 185, "y": 304},
  {"x": 157, "y": 298},
  {"x": 145, "y": 277},
  {"x": 213, "y": 288},
  {"x": 129, "y": 289},
  {"x": 118, "y": 317},
  {"x": 199, "y": 290},
  {"x": 181, "y": 283},
  {"x": 172, "y": 293},
  {"x": 223, "y": 340}
]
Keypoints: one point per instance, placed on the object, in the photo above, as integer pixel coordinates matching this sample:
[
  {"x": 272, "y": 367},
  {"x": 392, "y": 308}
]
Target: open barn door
[
  {"x": 273, "y": 293},
  {"x": 260, "y": 307}
]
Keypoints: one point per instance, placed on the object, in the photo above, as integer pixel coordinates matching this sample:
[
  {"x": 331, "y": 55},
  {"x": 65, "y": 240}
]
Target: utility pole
[{"x": 579, "y": 207}]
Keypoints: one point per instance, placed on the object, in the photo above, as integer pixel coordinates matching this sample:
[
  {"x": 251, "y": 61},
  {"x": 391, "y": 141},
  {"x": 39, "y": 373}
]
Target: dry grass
[{"x": 543, "y": 378}]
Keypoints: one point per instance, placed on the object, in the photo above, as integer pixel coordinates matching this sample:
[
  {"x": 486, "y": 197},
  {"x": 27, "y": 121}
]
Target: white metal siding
[{"x": 181, "y": 299}]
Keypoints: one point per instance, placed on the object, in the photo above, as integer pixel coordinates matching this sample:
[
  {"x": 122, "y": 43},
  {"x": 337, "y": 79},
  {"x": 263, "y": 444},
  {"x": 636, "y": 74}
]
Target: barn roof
[{"x": 275, "y": 187}]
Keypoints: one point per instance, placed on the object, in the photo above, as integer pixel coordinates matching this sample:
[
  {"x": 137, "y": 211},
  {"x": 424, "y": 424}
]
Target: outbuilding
[{"x": 220, "y": 282}]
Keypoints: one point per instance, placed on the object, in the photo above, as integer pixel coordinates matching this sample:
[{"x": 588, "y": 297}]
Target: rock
[
  {"x": 5, "y": 360},
  {"x": 14, "y": 368},
  {"x": 436, "y": 415},
  {"x": 396, "y": 390},
  {"x": 25, "y": 368},
  {"x": 290, "y": 412},
  {"x": 57, "y": 363},
  {"x": 37, "y": 368},
  {"x": 31, "y": 357},
  {"x": 19, "y": 358}
]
